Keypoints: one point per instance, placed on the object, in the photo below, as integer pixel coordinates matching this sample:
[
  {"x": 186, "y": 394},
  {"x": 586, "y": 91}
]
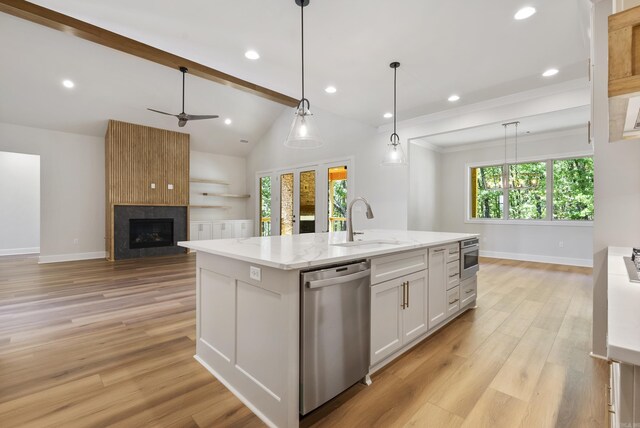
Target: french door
[{"x": 307, "y": 199}]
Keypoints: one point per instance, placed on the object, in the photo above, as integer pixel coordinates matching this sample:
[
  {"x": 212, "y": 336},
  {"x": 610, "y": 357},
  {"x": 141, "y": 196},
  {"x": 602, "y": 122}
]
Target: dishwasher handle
[{"x": 338, "y": 280}]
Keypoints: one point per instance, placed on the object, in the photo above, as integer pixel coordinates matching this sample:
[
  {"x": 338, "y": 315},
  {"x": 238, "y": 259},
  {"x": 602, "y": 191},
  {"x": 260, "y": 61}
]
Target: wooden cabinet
[
  {"x": 624, "y": 55},
  {"x": 398, "y": 314}
]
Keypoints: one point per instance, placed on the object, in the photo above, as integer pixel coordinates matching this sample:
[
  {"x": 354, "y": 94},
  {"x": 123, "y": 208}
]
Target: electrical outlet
[
  {"x": 561, "y": 244},
  {"x": 170, "y": 186},
  {"x": 255, "y": 273},
  {"x": 76, "y": 241},
  {"x": 153, "y": 185}
]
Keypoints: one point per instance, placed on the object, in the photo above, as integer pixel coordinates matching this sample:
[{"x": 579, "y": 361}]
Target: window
[
  {"x": 286, "y": 204},
  {"x": 559, "y": 189},
  {"x": 265, "y": 206},
  {"x": 486, "y": 192},
  {"x": 528, "y": 191},
  {"x": 337, "y": 198},
  {"x": 573, "y": 189}
]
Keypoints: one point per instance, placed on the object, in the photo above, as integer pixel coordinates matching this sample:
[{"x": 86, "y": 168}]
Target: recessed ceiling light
[
  {"x": 524, "y": 13},
  {"x": 550, "y": 72},
  {"x": 388, "y": 115},
  {"x": 68, "y": 83},
  {"x": 252, "y": 54},
  {"x": 227, "y": 121},
  {"x": 453, "y": 98},
  {"x": 330, "y": 89}
]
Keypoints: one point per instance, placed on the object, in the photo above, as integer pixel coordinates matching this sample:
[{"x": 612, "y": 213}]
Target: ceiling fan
[{"x": 183, "y": 117}]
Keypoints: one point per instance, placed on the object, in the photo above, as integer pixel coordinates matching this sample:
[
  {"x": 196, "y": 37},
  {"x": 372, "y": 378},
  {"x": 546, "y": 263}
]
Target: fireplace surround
[{"x": 141, "y": 231}]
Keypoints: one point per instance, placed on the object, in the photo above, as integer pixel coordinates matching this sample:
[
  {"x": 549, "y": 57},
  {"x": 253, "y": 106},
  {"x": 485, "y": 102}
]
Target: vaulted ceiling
[{"x": 470, "y": 48}]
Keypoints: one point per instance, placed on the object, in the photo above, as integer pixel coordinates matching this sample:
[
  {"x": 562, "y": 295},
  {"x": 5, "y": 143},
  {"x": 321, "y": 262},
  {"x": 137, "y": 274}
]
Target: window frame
[{"x": 549, "y": 220}]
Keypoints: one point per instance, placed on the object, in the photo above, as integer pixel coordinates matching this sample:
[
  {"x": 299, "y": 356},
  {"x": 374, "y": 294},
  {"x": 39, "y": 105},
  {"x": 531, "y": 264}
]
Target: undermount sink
[{"x": 372, "y": 243}]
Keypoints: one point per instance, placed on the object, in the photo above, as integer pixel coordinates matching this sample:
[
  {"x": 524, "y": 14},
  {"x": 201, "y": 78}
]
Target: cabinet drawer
[
  {"x": 397, "y": 265},
  {"x": 453, "y": 274},
  {"x": 453, "y": 252},
  {"x": 453, "y": 301},
  {"x": 468, "y": 291}
]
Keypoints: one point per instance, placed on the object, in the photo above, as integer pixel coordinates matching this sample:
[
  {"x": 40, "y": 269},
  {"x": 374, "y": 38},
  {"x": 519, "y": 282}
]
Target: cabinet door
[
  {"x": 194, "y": 231},
  {"x": 228, "y": 230},
  {"x": 216, "y": 230},
  {"x": 453, "y": 301},
  {"x": 386, "y": 321},
  {"x": 414, "y": 316},
  {"x": 204, "y": 231},
  {"x": 437, "y": 296},
  {"x": 246, "y": 229}
]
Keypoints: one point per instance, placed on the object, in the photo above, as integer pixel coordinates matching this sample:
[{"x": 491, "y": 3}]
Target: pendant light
[
  {"x": 302, "y": 134},
  {"x": 394, "y": 155},
  {"x": 525, "y": 181}
]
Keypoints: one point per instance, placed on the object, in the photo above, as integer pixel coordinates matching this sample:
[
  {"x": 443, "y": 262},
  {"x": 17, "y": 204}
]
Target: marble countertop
[
  {"x": 623, "y": 330},
  {"x": 317, "y": 249}
]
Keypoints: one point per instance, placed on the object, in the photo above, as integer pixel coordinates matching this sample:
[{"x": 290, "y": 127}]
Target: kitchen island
[{"x": 249, "y": 304}]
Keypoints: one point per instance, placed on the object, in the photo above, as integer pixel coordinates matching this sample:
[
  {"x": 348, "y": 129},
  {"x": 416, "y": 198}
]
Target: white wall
[
  {"x": 524, "y": 242},
  {"x": 384, "y": 187},
  {"x": 71, "y": 189},
  {"x": 19, "y": 203},
  {"x": 617, "y": 178},
  {"x": 424, "y": 188},
  {"x": 231, "y": 169}
]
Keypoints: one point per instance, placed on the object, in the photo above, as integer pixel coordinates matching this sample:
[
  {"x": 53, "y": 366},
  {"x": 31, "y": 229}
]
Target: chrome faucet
[{"x": 350, "y": 232}]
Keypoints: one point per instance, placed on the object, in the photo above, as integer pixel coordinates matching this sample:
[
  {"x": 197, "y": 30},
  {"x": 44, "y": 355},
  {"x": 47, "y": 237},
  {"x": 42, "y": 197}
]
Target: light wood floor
[{"x": 95, "y": 343}]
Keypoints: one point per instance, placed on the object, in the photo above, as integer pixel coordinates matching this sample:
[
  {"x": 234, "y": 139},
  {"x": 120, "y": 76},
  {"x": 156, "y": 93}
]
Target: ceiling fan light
[{"x": 303, "y": 134}]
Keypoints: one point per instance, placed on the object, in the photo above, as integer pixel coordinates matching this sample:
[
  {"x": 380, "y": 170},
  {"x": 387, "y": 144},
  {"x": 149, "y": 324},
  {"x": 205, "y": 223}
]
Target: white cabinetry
[
  {"x": 220, "y": 229},
  {"x": 200, "y": 230},
  {"x": 398, "y": 305},
  {"x": 624, "y": 395},
  {"x": 444, "y": 280}
]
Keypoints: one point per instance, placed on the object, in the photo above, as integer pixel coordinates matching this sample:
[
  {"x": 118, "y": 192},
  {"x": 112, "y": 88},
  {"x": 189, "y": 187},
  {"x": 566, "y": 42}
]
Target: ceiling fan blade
[
  {"x": 201, "y": 116},
  {"x": 162, "y": 112}
]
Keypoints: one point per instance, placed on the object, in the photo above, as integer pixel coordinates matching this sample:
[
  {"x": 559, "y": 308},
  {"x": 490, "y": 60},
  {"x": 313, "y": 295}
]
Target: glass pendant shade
[
  {"x": 394, "y": 155},
  {"x": 303, "y": 134}
]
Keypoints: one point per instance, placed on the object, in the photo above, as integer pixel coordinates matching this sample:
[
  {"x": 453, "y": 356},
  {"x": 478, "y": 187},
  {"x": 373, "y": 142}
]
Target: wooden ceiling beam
[{"x": 66, "y": 24}]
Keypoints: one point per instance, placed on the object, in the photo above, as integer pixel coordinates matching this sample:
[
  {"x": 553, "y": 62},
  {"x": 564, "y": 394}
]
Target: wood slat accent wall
[
  {"x": 624, "y": 52},
  {"x": 137, "y": 156}
]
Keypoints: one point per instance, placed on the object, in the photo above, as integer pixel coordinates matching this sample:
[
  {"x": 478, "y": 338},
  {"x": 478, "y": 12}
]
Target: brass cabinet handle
[
  {"x": 407, "y": 294},
  {"x": 451, "y": 303}
]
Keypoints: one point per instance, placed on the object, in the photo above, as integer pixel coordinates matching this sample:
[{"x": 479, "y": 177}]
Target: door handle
[
  {"x": 403, "y": 296},
  {"x": 338, "y": 280},
  {"x": 407, "y": 294}
]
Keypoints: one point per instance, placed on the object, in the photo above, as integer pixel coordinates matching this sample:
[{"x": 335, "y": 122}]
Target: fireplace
[
  {"x": 143, "y": 231},
  {"x": 150, "y": 232}
]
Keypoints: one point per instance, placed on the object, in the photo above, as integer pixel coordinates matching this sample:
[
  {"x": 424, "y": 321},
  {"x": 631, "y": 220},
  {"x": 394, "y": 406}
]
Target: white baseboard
[
  {"x": 71, "y": 257},
  {"x": 538, "y": 258},
  {"x": 17, "y": 251}
]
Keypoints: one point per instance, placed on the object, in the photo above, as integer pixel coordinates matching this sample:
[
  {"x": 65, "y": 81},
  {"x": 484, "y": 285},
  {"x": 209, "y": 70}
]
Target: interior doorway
[{"x": 19, "y": 203}]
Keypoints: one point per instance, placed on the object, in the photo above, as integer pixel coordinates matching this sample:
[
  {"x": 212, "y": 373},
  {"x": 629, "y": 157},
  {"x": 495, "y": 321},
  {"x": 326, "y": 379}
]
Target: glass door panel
[
  {"x": 265, "y": 206},
  {"x": 307, "y": 204},
  {"x": 337, "y": 198},
  {"x": 287, "y": 218}
]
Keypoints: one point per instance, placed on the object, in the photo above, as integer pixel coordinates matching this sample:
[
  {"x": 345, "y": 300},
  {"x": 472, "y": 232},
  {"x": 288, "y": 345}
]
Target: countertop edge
[
  {"x": 618, "y": 319},
  {"x": 392, "y": 249}
]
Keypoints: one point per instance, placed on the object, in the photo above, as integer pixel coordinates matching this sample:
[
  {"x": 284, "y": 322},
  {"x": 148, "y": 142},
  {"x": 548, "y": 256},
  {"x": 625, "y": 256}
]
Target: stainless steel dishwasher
[{"x": 334, "y": 342}]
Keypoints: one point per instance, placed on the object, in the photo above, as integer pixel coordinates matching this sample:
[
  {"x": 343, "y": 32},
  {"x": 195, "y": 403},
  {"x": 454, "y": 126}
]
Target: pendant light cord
[
  {"x": 302, "y": 56},
  {"x": 395, "y": 90},
  {"x": 183, "y": 74}
]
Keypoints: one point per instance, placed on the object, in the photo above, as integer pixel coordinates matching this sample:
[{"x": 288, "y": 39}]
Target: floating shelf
[
  {"x": 203, "y": 180},
  {"x": 225, "y": 195},
  {"x": 209, "y": 206}
]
